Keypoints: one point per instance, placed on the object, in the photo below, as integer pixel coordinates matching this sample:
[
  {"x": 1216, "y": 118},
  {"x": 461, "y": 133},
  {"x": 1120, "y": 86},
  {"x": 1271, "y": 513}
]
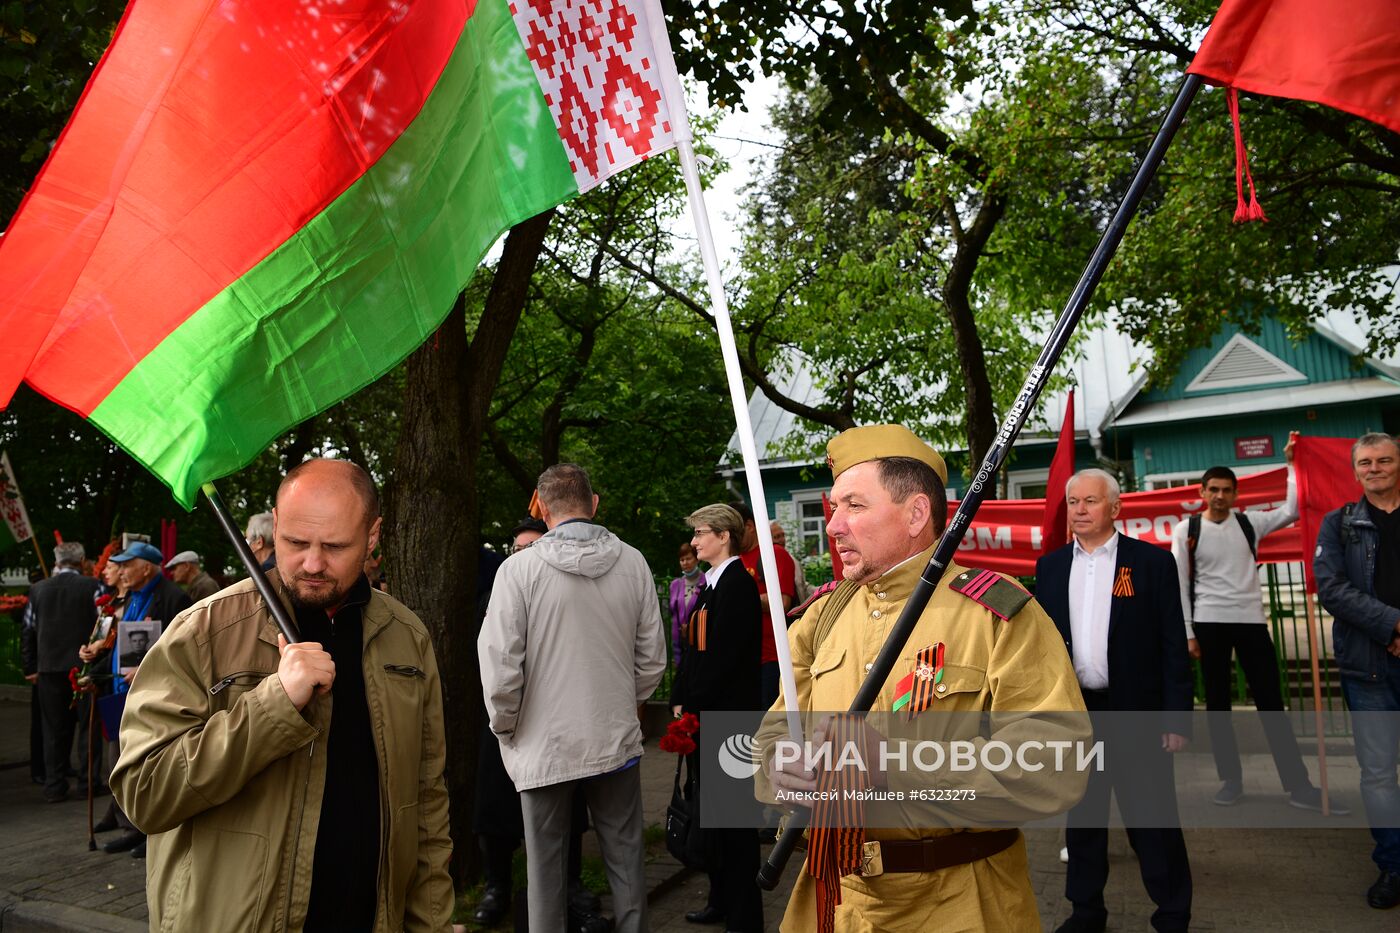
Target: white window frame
[
  {"x": 799, "y": 499},
  {"x": 1017, "y": 480},
  {"x": 1193, "y": 477}
]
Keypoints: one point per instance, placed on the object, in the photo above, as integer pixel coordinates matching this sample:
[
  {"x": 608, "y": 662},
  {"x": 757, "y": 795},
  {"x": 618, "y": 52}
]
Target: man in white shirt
[
  {"x": 1220, "y": 598},
  {"x": 1114, "y": 601}
]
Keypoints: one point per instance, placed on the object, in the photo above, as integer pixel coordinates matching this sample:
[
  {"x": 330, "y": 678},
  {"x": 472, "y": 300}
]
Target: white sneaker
[{"x": 1064, "y": 854}]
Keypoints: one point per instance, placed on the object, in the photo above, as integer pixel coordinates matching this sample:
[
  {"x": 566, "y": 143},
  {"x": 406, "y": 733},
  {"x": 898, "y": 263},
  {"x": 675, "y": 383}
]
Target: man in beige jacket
[
  {"x": 294, "y": 787},
  {"x": 995, "y": 651}
]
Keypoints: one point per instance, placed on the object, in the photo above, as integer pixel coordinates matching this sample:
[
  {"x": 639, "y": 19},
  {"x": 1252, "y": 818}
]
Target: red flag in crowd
[
  {"x": 1326, "y": 481},
  {"x": 1346, "y": 56},
  {"x": 1053, "y": 530}
]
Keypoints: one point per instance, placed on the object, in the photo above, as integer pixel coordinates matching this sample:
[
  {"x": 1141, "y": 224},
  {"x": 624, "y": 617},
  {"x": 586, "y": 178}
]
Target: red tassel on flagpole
[{"x": 1244, "y": 212}]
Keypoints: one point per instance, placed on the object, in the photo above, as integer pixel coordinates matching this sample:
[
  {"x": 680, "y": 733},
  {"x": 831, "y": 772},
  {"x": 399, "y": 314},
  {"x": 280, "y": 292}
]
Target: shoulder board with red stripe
[
  {"x": 991, "y": 591},
  {"x": 796, "y": 612}
]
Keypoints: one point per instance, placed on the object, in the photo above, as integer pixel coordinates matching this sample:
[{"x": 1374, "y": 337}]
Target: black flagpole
[
  {"x": 1011, "y": 425},
  {"x": 260, "y": 580}
]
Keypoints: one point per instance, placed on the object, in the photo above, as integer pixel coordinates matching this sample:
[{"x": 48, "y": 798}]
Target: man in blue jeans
[{"x": 1357, "y": 565}]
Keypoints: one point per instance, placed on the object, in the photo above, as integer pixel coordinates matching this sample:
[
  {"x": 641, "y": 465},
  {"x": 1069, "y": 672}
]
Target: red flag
[
  {"x": 1344, "y": 55},
  {"x": 1053, "y": 530},
  {"x": 1326, "y": 481},
  {"x": 838, "y": 570}
]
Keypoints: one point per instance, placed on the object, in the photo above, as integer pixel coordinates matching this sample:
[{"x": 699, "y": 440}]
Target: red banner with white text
[{"x": 1005, "y": 536}]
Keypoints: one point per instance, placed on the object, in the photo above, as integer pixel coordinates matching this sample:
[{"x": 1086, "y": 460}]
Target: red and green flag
[
  {"x": 14, "y": 520},
  {"x": 258, "y": 207}
]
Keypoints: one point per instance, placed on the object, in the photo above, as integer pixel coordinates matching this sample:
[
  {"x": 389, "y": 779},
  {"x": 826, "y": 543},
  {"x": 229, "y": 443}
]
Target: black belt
[{"x": 935, "y": 853}]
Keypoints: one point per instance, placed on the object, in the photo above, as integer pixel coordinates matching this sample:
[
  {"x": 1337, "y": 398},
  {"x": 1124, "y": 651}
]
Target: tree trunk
[
  {"x": 433, "y": 511},
  {"x": 972, "y": 357}
]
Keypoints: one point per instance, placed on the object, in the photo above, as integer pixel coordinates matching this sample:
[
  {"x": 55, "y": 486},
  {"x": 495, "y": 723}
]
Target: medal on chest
[{"x": 916, "y": 690}]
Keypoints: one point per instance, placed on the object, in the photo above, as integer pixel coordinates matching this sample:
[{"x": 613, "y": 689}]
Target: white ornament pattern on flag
[{"x": 596, "y": 65}]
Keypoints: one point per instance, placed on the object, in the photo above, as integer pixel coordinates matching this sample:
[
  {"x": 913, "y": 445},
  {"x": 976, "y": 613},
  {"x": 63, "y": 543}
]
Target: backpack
[{"x": 1193, "y": 534}]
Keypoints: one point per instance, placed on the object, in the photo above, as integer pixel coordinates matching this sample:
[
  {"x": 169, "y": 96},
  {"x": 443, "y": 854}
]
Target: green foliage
[
  {"x": 47, "y": 51},
  {"x": 606, "y": 373},
  {"x": 848, "y": 253},
  {"x": 722, "y": 43},
  {"x": 1092, "y": 87},
  {"x": 978, "y": 176}
]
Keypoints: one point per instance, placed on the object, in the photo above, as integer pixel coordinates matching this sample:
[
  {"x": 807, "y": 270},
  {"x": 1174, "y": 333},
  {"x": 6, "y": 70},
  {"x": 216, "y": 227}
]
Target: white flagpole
[{"x": 719, "y": 307}]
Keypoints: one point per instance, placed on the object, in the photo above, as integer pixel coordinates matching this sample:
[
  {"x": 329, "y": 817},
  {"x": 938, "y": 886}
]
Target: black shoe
[
  {"x": 588, "y": 921},
  {"x": 55, "y": 796},
  {"x": 709, "y": 915},
  {"x": 1079, "y": 923},
  {"x": 493, "y": 906},
  {"x": 582, "y": 900},
  {"x": 127, "y": 840},
  {"x": 105, "y": 825},
  {"x": 140, "y": 850},
  {"x": 1310, "y": 798},
  {"x": 1385, "y": 893},
  {"x": 1229, "y": 794}
]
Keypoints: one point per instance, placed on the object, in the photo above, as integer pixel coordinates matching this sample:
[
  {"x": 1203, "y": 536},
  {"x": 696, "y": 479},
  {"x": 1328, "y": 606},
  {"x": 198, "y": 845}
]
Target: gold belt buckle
[{"x": 871, "y": 864}]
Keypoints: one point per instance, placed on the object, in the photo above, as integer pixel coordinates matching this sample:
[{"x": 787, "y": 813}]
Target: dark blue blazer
[{"x": 1148, "y": 667}]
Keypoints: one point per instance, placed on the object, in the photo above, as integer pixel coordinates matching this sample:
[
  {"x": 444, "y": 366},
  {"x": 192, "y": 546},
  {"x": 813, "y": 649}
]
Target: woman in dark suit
[{"x": 720, "y": 671}]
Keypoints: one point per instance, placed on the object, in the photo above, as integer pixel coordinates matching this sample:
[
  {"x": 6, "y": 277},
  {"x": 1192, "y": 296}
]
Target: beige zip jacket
[{"x": 226, "y": 775}]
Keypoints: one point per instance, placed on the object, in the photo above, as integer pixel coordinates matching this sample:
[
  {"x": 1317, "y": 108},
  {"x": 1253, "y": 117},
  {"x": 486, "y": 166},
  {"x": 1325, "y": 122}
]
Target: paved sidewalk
[{"x": 1246, "y": 881}]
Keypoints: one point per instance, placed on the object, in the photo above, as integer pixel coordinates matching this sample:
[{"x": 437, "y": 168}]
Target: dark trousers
[
  {"x": 1259, "y": 662},
  {"x": 769, "y": 681},
  {"x": 1161, "y": 850},
  {"x": 733, "y": 889},
  {"x": 60, "y": 724},
  {"x": 36, "y": 735}
]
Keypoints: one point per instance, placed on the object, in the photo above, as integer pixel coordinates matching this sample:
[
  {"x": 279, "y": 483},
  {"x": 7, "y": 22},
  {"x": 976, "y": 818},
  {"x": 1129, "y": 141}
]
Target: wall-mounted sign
[{"x": 1252, "y": 448}]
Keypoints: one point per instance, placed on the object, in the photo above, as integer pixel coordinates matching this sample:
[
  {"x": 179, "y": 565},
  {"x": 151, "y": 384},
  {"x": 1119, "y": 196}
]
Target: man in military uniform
[{"x": 997, "y": 652}]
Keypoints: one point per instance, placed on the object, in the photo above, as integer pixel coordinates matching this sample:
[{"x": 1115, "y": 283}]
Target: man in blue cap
[{"x": 150, "y": 596}]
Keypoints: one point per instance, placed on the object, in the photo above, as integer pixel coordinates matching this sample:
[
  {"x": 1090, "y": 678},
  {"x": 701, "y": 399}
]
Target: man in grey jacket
[
  {"x": 1357, "y": 565},
  {"x": 571, "y": 645}
]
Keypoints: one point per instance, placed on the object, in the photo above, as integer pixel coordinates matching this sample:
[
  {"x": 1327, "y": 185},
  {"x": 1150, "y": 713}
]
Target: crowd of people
[{"x": 301, "y": 785}]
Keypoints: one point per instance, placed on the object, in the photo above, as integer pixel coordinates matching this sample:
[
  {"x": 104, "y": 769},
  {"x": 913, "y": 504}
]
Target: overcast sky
[{"x": 742, "y": 139}]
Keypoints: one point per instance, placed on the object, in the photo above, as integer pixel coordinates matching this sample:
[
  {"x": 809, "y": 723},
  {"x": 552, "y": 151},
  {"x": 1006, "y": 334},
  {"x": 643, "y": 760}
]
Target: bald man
[{"x": 294, "y": 787}]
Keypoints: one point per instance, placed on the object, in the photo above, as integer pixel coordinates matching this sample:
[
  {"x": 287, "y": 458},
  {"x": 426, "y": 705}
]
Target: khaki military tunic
[{"x": 1018, "y": 664}]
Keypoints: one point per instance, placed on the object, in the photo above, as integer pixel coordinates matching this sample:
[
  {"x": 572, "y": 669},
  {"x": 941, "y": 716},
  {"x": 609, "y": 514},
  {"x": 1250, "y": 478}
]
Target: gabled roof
[
  {"x": 1232, "y": 379},
  {"x": 1281, "y": 399},
  {"x": 1241, "y": 363}
]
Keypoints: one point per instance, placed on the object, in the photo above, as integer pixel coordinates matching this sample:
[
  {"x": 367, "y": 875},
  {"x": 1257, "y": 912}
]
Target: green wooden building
[{"x": 1234, "y": 401}]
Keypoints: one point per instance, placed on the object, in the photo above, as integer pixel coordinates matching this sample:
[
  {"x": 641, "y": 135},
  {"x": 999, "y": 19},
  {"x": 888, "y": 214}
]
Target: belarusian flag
[
  {"x": 260, "y": 206},
  {"x": 14, "y": 520}
]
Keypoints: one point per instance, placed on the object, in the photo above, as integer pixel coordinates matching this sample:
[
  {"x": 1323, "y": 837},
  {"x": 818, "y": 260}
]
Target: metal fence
[{"x": 1291, "y": 612}]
